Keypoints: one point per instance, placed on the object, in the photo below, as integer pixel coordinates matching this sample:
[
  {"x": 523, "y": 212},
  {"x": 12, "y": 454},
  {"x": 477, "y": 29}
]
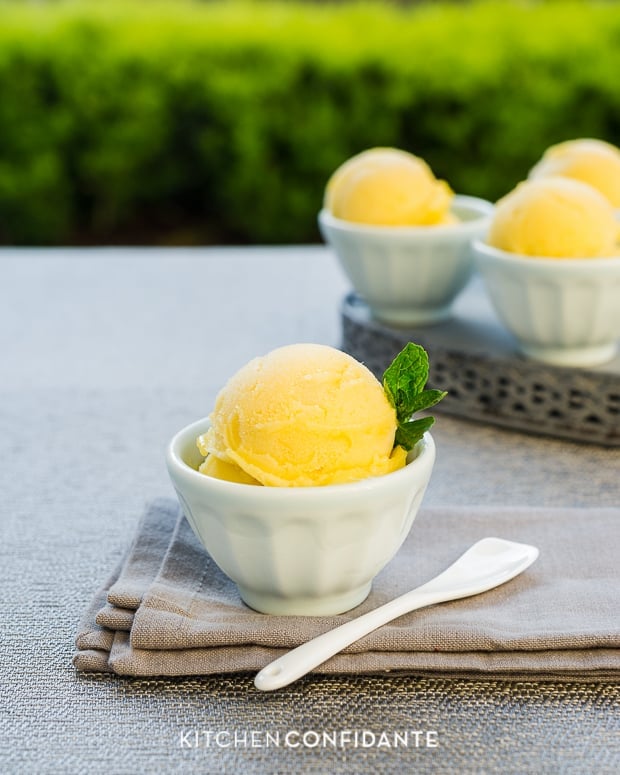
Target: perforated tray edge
[{"x": 508, "y": 391}]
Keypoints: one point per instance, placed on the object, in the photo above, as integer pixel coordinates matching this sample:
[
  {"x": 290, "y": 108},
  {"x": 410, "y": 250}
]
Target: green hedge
[{"x": 193, "y": 122}]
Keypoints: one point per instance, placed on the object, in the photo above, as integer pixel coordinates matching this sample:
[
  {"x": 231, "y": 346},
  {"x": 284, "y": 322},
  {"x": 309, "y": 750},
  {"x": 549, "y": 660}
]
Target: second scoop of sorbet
[
  {"x": 302, "y": 415},
  {"x": 554, "y": 217},
  {"x": 589, "y": 160}
]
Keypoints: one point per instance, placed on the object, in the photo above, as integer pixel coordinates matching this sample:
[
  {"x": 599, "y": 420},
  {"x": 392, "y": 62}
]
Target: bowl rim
[
  {"x": 424, "y": 454},
  {"x": 578, "y": 264},
  {"x": 482, "y": 207}
]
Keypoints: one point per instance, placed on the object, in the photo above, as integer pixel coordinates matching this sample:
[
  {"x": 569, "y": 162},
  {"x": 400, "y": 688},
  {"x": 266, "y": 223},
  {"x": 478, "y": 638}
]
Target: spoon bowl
[{"x": 485, "y": 565}]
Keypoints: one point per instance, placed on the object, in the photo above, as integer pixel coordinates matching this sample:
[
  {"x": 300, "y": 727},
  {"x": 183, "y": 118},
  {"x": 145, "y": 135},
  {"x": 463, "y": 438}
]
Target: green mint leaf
[
  {"x": 409, "y": 433},
  {"x": 426, "y": 399},
  {"x": 403, "y": 382},
  {"x": 405, "y": 378}
]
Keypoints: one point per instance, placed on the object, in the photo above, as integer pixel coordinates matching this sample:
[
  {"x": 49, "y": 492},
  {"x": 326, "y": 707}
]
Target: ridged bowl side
[
  {"x": 310, "y": 550},
  {"x": 408, "y": 274},
  {"x": 565, "y": 309}
]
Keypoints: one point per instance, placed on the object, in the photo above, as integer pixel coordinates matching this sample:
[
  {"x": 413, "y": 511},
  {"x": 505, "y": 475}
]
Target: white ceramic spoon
[{"x": 487, "y": 564}]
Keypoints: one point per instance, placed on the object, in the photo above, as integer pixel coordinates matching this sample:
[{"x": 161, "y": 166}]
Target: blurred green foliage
[{"x": 191, "y": 122}]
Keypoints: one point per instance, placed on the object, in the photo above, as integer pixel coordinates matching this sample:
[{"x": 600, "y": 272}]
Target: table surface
[{"x": 104, "y": 353}]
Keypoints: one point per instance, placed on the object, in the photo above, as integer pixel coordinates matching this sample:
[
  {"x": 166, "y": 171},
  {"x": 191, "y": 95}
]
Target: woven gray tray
[{"x": 476, "y": 361}]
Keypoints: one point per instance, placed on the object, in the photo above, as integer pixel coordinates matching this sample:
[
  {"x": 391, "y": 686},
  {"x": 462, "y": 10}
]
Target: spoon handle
[
  {"x": 487, "y": 564},
  {"x": 304, "y": 658}
]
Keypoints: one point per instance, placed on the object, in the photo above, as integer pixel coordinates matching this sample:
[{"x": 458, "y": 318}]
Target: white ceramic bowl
[
  {"x": 564, "y": 312},
  {"x": 299, "y": 550},
  {"x": 409, "y": 275}
]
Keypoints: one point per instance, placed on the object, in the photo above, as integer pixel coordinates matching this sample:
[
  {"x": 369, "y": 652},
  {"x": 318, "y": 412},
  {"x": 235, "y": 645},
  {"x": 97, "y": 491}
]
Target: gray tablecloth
[{"x": 104, "y": 354}]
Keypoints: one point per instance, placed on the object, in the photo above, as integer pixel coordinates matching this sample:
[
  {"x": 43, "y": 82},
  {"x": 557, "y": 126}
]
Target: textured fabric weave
[{"x": 168, "y": 610}]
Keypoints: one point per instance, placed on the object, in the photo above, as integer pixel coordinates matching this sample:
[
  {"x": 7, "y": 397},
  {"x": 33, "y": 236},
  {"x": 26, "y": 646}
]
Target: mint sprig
[{"x": 404, "y": 381}]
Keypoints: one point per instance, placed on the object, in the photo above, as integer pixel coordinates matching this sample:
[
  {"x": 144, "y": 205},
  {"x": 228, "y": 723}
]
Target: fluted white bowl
[
  {"x": 299, "y": 550},
  {"x": 564, "y": 312},
  {"x": 409, "y": 275}
]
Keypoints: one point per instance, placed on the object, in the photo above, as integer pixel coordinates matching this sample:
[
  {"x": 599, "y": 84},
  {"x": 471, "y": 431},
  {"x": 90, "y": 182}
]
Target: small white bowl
[
  {"x": 300, "y": 550},
  {"x": 565, "y": 312},
  {"x": 409, "y": 275}
]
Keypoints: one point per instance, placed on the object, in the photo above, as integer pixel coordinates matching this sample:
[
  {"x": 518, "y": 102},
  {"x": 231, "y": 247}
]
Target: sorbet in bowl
[
  {"x": 589, "y": 160},
  {"x": 306, "y": 478},
  {"x": 401, "y": 236},
  {"x": 551, "y": 266}
]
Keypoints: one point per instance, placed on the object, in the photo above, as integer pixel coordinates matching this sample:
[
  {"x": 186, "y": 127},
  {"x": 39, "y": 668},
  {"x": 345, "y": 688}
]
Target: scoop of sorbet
[
  {"x": 591, "y": 161},
  {"x": 303, "y": 415},
  {"x": 388, "y": 187},
  {"x": 554, "y": 217}
]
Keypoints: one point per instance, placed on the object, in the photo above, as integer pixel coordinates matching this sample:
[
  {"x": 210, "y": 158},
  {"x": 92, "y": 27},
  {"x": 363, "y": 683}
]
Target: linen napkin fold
[{"x": 167, "y": 609}]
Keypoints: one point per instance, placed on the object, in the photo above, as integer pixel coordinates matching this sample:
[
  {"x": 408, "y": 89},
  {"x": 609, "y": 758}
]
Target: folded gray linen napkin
[{"x": 167, "y": 609}]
